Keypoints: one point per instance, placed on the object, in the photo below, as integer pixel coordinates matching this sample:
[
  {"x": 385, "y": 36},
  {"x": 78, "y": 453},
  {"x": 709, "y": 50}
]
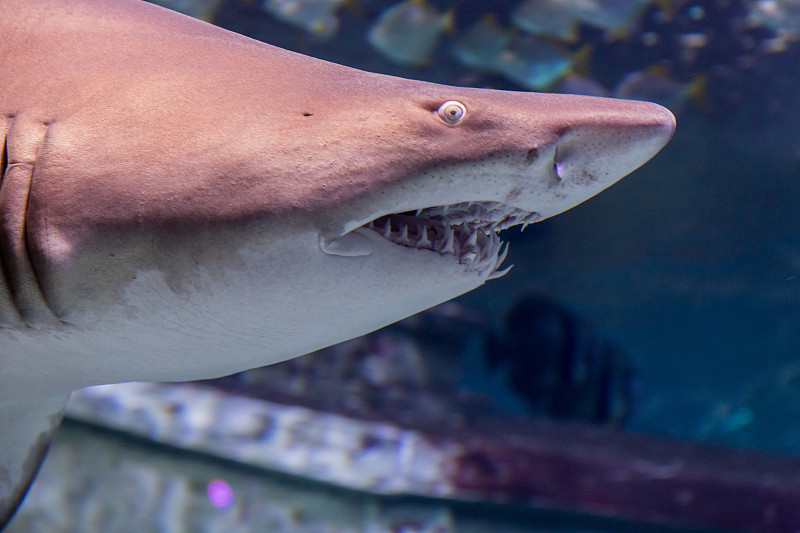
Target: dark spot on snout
[
  {"x": 513, "y": 194},
  {"x": 586, "y": 178},
  {"x": 307, "y": 114},
  {"x": 532, "y": 155}
]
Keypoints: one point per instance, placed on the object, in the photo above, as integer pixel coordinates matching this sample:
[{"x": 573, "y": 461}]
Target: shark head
[
  {"x": 456, "y": 166},
  {"x": 183, "y": 216}
]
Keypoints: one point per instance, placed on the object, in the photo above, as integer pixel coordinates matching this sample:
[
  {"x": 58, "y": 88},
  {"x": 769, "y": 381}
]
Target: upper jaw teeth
[
  {"x": 466, "y": 230},
  {"x": 492, "y": 216}
]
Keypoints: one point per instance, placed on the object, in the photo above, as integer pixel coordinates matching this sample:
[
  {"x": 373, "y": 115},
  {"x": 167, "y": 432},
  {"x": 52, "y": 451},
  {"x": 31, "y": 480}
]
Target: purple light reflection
[{"x": 220, "y": 494}]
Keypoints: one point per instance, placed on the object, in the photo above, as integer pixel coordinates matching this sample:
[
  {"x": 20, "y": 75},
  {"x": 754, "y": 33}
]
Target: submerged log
[
  {"x": 544, "y": 464},
  {"x": 632, "y": 476}
]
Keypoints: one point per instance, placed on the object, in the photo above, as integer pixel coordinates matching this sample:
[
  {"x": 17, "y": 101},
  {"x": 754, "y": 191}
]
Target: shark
[{"x": 180, "y": 202}]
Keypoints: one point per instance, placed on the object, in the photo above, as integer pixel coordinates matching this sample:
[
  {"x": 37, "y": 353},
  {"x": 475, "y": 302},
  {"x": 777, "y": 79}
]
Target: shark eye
[{"x": 452, "y": 112}]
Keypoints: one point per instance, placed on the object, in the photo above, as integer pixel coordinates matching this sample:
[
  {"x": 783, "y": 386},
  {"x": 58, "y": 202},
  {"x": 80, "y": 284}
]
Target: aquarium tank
[{"x": 638, "y": 369}]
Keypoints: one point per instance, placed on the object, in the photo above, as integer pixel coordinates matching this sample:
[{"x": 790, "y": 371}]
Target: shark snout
[
  {"x": 595, "y": 154},
  {"x": 590, "y": 144}
]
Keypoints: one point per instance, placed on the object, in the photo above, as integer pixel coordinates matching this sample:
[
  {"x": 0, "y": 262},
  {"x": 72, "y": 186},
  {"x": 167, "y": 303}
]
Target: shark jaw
[{"x": 466, "y": 231}]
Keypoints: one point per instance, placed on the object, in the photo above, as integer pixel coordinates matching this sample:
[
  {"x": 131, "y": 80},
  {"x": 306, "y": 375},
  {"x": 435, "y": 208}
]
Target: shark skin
[{"x": 180, "y": 202}]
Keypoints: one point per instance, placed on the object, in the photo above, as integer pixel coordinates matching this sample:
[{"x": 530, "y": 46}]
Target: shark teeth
[{"x": 466, "y": 230}]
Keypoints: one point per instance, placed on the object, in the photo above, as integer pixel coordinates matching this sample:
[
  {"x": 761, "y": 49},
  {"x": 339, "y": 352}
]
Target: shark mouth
[{"x": 467, "y": 231}]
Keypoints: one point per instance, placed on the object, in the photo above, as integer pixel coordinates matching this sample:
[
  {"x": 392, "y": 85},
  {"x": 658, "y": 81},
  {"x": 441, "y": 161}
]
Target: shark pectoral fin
[{"x": 26, "y": 429}]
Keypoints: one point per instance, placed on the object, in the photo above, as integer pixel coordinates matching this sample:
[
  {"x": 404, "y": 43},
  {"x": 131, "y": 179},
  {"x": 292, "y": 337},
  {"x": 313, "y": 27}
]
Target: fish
[
  {"x": 553, "y": 18},
  {"x": 576, "y": 84},
  {"x": 534, "y": 63},
  {"x": 617, "y": 17},
  {"x": 408, "y": 32},
  {"x": 559, "y": 365},
  {"x": 560, "y": 18},
  {"x": 180, "y": 202},
  {"x": 317, "y": 17},
  {"x": 781, "y": 15},
  {"x": 654, "y": 85},
  {"x": 481, "y": 45}
]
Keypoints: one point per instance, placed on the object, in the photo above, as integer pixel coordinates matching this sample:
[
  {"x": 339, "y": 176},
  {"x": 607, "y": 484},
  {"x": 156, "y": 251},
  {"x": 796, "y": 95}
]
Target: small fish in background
[
  {"x": 560, "y": 18},
  {"x": 554, "y": 18},
  {"x": 317, "y": 17},
  {"x": 408, "y": 32},
  {"x": 617, "y": 17},
  {"x": 481, "y": 45},
  {"x": 576, "y": 84},
  {"x": 560, "y": 366},
  {"x": 200, "y": 9},
  {"x": 780, "y": 15},
  {"x": 654, "y": 85},
  {"x": 534, "y": 63}
]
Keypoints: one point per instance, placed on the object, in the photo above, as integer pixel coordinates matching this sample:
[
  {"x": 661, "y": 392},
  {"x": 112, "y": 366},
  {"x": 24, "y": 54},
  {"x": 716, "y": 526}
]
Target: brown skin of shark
[{"x": 191, "y": 113}]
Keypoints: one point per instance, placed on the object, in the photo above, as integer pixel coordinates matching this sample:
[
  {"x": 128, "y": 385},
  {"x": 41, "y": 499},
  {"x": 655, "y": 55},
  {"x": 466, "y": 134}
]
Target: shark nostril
[
  {"x": 558, "y": 171},
  {"x": 558, "y": 167}
]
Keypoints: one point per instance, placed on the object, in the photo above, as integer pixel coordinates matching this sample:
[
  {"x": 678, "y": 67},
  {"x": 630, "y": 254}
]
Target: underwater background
[
  {"x": 669, "y": 305},
  {"x": 690, "y": 264}
]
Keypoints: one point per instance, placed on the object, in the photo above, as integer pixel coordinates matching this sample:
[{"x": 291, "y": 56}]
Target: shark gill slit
[
  {"x": 8, "y": 310},
  {"x": 3, "y": 147},
  {"x": 22, "y": 298}
]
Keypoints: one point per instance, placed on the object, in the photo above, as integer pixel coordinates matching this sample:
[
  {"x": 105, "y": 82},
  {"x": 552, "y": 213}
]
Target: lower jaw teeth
[
  {"x": 479, "y": 250},
  {"x": 466, "y": 230}
]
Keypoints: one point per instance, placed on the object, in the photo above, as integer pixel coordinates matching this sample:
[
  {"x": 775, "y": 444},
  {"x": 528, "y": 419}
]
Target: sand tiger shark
[{"x": 181, "y": 202}]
